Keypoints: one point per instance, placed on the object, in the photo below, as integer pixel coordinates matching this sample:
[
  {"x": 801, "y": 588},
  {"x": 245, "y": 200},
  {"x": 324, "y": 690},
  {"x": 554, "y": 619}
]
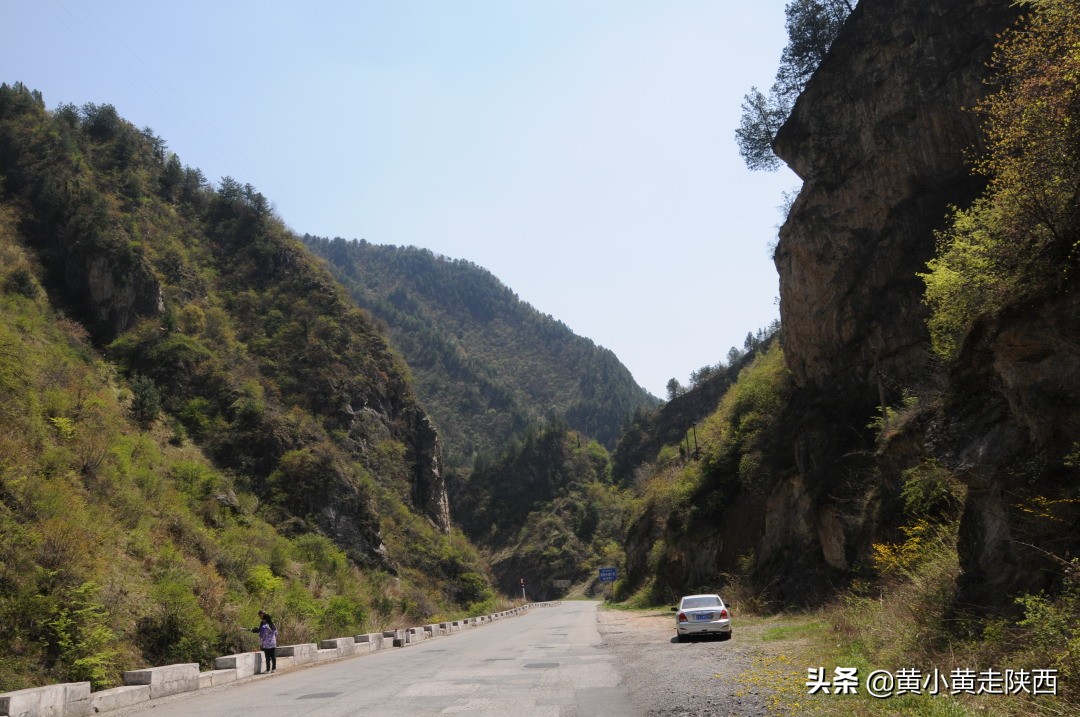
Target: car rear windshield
[{"x": 709, "y": 601}]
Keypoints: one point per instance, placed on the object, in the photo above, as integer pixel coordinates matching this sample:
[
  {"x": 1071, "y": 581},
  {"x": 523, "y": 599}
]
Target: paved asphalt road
[{"x": 548, "y": 661}]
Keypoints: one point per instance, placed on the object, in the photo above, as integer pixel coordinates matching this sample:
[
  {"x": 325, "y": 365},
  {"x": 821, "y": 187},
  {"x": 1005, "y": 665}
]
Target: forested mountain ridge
[
  {"x": 544, "y": 509},
  {"x": 675, "y": 422},
  {"x": 485, "y": 363},
  {"x": 195, "y": 419}
]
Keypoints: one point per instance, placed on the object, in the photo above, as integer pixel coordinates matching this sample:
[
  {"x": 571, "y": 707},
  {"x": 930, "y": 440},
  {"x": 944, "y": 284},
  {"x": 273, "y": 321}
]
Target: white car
[{"x": 702, "y": 615}]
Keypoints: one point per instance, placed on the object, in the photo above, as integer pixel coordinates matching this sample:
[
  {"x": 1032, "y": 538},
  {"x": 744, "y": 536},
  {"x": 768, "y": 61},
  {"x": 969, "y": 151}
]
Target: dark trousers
[{"x": 269, "y": 659}]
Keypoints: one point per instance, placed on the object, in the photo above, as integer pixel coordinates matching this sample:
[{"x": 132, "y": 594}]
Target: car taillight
[
  {"x": 682, "y": 617},
  {"x": 723, "y": 614}
]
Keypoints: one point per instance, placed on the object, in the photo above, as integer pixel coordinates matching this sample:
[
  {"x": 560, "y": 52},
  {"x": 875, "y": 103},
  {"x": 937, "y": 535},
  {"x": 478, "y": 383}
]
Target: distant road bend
[{"x": 548, "y": 661}]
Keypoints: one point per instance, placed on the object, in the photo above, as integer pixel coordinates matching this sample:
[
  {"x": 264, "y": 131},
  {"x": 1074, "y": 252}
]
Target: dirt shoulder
[{"x": 750, "y": 675}]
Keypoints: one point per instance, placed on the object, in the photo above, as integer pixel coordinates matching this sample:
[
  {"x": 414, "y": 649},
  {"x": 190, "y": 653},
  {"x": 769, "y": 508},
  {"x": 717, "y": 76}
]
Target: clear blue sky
[{"x": 581, "y": 150}]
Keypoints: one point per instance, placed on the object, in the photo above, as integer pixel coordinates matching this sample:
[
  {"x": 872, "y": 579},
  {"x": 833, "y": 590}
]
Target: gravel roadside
[{"x": 666, "y": 678}]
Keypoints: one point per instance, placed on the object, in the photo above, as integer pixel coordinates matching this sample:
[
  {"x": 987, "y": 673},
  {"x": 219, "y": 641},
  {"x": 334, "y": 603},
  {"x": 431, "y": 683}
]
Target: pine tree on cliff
[{"x": 812, "y": 26}]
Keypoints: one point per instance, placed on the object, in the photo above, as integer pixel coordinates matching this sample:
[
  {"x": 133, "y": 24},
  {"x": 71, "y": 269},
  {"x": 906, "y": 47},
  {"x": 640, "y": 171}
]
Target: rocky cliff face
[
  {"x": 880, "y": 138},
  {"x": 112, "y": 296},
  {"x": 1009, "y": 433},
  {"x": 429, "y": 493}
]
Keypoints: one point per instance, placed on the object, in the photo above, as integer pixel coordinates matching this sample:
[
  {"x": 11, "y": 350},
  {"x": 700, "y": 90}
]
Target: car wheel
[
  {"x": 680, "y": 638},
  {"x": 725, "y": 635}
]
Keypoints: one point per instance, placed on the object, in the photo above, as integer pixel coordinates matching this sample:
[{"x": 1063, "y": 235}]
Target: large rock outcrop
[
  {"x": 1009, "y": 433},
  {"x": 429, "y": 493},
  {"x": 112, "y": 294},
  {"x": 881, "y": 138}
]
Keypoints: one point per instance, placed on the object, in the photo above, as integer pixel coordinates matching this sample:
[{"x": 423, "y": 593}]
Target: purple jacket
[{"x": 267, "y": 636}]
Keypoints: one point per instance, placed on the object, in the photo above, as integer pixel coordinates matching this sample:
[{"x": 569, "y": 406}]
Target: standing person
[{"x": 267, "y": 640}]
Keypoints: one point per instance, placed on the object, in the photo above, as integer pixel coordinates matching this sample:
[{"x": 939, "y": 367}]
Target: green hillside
[
  {"x": 195, "y": 421},
  {"x": 545, "y": 509},
  {"x": 485, "y": 363}
]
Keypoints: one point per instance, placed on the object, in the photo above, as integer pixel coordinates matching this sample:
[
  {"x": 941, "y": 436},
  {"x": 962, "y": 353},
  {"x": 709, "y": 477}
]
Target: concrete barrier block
[
  {"x": 246, "y": 664},
  {"x": 206, "y": 680},
  {"x": 301, "y": 654},
  {"x": 326, "y": 654},
  {"x": 221, "y": 677},
  {"x": 70, "y": 699},
  {"x": 166, "y": 680},
  {"x": 369, "y": 642},
  {"x": 119, "y": 697},
  {"x": 345, "y": 646},
  {"x": 33, "y": 701},
  {"x": 284, "y": 663},
  {"x": 433, "y": 630},
  {"x": 415, "y": 634},
  {"x": 396, "y": 637}
]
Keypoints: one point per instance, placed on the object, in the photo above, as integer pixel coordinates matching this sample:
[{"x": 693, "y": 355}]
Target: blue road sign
[{"x": 608, "y": 575}]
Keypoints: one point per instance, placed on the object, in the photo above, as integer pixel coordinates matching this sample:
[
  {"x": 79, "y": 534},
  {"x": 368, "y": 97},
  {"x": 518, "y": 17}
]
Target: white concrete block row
[{"x": 76, "y": 700}]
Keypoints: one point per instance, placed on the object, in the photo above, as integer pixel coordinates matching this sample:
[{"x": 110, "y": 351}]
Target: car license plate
[{"x": 703, "y": 616}]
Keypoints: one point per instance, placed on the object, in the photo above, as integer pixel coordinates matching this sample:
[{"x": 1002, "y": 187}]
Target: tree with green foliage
[
  {"x": 812, "y": 25},
  {"x": 145, "y": 400},
  {"x": 1020, "y": 238},
  {"x": 761, "y": 119}
]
